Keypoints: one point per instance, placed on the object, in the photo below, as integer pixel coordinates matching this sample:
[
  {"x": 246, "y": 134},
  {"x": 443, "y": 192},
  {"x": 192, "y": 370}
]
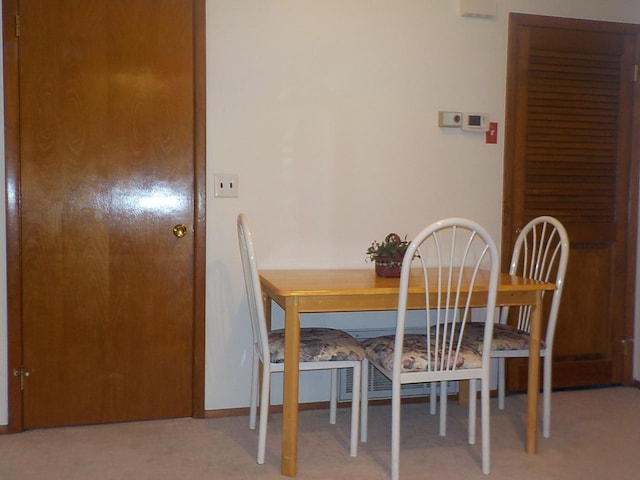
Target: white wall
[{"x": 327, "y": 111}]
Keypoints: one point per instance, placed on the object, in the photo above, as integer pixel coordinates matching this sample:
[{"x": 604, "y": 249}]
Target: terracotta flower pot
[{"x": 388, "y": 268}]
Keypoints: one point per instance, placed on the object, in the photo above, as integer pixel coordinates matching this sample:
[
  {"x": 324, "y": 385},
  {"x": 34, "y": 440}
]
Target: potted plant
[{"x": 388, "y": 255}]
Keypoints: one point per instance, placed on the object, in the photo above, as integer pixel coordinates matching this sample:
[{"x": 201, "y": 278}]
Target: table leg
[
  {"x": 533, "y": 386},
  {"x": 266, "y": 301},
  {"x": 463, "y": 393},
  {"x": 289, "y": 457}
]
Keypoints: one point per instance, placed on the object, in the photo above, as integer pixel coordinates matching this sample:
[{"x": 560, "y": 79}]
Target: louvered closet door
[{"x": 568, "y": 155}]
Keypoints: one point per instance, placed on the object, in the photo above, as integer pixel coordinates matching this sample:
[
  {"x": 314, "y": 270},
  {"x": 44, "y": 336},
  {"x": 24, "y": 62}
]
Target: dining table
[{"x": 302, "y": 291}]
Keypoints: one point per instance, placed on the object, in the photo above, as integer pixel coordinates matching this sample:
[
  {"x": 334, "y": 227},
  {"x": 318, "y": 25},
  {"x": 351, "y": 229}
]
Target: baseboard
[{"x": 244, "y": 411}]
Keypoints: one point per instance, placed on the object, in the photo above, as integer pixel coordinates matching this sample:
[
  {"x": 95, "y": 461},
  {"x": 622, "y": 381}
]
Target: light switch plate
[
  {"x": 449, "y": 119},
  {"x": 478, "y": 8}
]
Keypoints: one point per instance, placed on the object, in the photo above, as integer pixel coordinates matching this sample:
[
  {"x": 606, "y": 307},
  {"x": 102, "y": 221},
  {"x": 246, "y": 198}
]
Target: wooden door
[
  {"x": 107, "y": 168},
  {"x": 568, "y": 153}
]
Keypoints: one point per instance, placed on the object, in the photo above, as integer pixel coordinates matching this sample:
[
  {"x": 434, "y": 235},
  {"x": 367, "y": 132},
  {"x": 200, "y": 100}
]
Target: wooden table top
[{"x": 315, "y": 282}]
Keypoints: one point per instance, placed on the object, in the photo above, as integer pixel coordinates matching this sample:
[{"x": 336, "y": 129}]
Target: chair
[
  {"x": 541, "y": 252},
  {"x": 439, "y": 355},
  {"x": 320, "y": 349}
]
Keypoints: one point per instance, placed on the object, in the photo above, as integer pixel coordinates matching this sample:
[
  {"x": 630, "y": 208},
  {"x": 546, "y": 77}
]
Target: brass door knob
[{"x": 180, "y": 230}]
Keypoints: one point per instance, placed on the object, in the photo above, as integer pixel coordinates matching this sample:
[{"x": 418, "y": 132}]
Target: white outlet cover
[{"x": 225, "y": 185}]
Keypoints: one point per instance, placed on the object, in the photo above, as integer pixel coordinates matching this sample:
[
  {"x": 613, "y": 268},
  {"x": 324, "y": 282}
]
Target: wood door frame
[
  {"x": 13, "y": 217},
  {"x": 517, "y": 20}
]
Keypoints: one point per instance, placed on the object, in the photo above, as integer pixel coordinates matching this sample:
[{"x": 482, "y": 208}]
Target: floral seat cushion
[
  {"x": 318, "y": 345},
  {"x": 414, "y": 356},
  {"x": 505, "y": 337}
]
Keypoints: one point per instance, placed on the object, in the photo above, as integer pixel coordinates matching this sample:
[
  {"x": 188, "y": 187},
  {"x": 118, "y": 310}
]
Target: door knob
[{"x": 180, "y": 230}]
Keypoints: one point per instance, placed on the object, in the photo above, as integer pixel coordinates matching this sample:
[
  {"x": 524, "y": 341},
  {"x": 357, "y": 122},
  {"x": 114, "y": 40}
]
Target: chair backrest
[
  {"x": 450, "y": 253},
  {"x": 541, "y": 252},
  {"x": 254, "y": 291}
]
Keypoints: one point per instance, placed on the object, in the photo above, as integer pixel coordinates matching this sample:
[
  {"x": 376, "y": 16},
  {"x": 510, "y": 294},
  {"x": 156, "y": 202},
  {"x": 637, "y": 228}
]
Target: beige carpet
[{"x": 595, "y": 435}]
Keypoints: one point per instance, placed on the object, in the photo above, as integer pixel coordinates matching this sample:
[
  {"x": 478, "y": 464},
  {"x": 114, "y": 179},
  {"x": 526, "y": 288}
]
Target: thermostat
[{"x": 474, "y": 122}]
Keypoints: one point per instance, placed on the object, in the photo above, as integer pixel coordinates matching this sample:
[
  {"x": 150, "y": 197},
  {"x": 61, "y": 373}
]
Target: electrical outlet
[{"x": 226, "y": 185}]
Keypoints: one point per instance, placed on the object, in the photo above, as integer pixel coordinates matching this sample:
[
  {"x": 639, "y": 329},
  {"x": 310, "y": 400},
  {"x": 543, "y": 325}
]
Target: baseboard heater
[{"x": 379, "y": 385}]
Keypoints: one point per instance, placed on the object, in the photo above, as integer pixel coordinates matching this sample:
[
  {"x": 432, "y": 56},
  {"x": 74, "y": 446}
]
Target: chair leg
[
  {"x": 501, "y": 382},
  {"x": 473, "y": 401},
  {"x": 364, "y": 400},
  {"x": 432, "y": 398},
  {"x": 395, "y": 430},
  {"x": 333, "y": 401},
  {"x": 264, "y": 416},
  {"x": 355, "y": 408},
  {"x": 546, "y": 396},
  {"x": 486, "y": 437},
  {"x": 253, "y": 399},
  {"x": 443, "y": 408}
]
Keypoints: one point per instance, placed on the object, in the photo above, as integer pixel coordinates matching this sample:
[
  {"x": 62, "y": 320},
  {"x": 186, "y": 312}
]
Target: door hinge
[
  {"x": 627, "y": 346},
  {"x": 22, "y": 373},
  {"x": 17, "y": 24},
  {"x": 635, "y": 73}
]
